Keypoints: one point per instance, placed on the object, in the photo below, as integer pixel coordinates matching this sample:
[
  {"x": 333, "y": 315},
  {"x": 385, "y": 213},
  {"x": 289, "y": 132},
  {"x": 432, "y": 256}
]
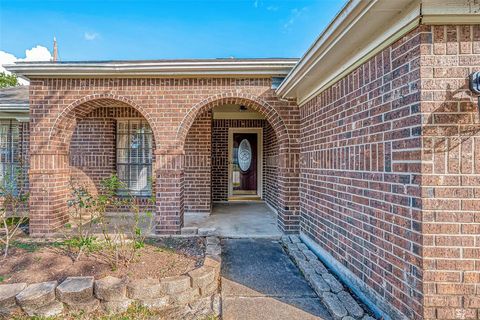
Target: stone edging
[
  {"x": 335, "y": 296},
  {"x": 191, "y": 295}
]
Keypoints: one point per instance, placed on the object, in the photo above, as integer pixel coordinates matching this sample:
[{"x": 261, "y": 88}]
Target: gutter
[
  {"x": 280, "y": 67},
  {"x": 346, "y": 44},
  {"x": 14, "y": 107},
  {"x": 353, "y": 63},
  {"x": 341, "y": 16}
]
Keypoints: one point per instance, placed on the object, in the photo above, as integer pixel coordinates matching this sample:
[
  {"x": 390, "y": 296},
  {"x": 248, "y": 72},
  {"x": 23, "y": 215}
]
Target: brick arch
[
  {"x": 248, "y": 100},
  {"x": 50, "y": 170},
  {"x": 62, "y": 129},
  {"x": 287, "y": 176}
]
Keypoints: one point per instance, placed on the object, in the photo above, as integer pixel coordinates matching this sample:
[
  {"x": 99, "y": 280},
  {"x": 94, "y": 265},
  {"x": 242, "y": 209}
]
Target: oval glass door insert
[{"x": 244, "y": 155}]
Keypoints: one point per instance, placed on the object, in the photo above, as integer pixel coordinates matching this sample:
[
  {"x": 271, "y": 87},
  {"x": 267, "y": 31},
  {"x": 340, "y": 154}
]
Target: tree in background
[{"x": 8, "y": 80}]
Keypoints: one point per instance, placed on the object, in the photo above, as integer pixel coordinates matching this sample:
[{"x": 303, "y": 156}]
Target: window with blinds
[
  {"x": 9, "y": 158},
  {"x": 134, "y": 156}
]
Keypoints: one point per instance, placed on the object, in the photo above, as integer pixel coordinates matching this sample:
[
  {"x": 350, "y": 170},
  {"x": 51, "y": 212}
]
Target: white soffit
[{"x": 362, "y": 29}]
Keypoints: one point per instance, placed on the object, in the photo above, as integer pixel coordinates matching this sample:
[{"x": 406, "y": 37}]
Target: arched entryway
[
  {"x": 201, "y": 136},
  {"x": 89, "y": 140},
  {"x": 51, "y": 163}
]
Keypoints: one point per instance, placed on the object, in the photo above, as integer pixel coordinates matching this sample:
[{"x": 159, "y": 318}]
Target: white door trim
[{"x": 259, "y": 132}]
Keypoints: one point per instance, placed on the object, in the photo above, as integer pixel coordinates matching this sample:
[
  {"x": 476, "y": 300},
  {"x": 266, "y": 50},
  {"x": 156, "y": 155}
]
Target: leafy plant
[
  {"x": 8, "y": 80},
  {"x": 14, "y": 200},
  {"x": 82, "y": 205},
  {"x": 88, "y": 243},
  {"x": 121, "y": 238},
  {"x": 27, "y": 246}
]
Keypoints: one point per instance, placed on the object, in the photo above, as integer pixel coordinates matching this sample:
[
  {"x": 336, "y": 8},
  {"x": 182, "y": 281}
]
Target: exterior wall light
[
  {"x": 243, "y": 108},
  {"x": 475, "y": 85}
]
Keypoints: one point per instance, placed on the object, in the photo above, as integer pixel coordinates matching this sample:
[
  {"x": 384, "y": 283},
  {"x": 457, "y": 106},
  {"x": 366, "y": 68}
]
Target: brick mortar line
[
  {"x": 368, "y": 206},
  {"x": 384, "y": 250},
  {"x": 335, "y": 103},
  {"x": 389, "y": 223}
]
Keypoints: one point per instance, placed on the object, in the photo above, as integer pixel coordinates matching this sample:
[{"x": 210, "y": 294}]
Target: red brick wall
[
  {"x": 451, "y": 173},
  {"x": 270, "y": 164},
  {"x": 390, "y": 174},
  {"x": 198, "y": 159},
  {"x": 92, "y": 149},
  {"x": 220, "y": 160},
  {"x": 171, "y": 107},
  {"x": 360, "y": 161}
]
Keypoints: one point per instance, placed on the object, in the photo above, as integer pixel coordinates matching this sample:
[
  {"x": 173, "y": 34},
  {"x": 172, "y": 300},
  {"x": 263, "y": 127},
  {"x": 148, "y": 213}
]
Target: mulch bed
[{"x": 37, "y": 262}]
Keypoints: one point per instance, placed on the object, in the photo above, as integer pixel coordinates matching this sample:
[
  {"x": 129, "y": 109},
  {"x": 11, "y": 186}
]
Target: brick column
[
  {"x": 49, "y": 189},
  {"x": 169, "y": 184},
  {"x": 288, "y": 196},
  {"x": 450, "y": 177}
]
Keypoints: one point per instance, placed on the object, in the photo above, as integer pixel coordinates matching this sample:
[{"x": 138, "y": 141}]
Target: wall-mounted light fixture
[
  {"x": 243, "y": 109},
  {"x": 475, "y": 85}
]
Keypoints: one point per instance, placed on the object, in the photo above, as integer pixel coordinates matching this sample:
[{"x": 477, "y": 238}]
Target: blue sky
[{"x": 114, "y": 30}]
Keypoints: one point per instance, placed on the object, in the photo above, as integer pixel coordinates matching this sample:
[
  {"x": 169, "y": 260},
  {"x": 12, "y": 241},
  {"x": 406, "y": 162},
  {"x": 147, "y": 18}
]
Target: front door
[
  {"x": 244, "y": 164},
  {"x": 244, "y": 178}
]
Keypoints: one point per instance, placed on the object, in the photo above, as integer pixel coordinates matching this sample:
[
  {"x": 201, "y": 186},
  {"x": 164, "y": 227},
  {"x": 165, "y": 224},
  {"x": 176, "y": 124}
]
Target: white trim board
[
  {"x": 362, "y": 29},
  {"x": 159, "y": 68}
]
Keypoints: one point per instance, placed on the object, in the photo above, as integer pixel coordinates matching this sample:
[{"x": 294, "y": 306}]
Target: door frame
[{"x": 259, "y": 132}]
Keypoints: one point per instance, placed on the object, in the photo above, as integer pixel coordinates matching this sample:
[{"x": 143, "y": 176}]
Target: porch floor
[{"x": 237, "y": 220}]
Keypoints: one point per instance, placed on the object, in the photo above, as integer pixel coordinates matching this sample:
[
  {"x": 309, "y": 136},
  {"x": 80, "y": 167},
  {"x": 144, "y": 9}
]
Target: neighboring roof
[
  {"x": 14, "y": 98},
  {"x": 277, "y": 67},
  {"x": 359, "y": 31}
]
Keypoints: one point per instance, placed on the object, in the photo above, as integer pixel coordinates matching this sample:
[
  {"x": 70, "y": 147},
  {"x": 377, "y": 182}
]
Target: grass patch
[
  {"x": 27, "y": 246},
  {"x": 13, "y": 221},
  {"x": 35, "y": 246},
  {"x": 134, "y": 312}
]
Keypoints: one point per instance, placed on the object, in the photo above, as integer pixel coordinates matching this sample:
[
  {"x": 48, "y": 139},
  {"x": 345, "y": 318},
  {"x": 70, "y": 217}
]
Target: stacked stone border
[
  {"x": 334, "y": 295},
  {"x": 187, "y": 296}
]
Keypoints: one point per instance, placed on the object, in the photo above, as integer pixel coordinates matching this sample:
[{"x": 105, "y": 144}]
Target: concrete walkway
[
  {"x": 259, "y": 281},
  {"x": 238, "y": 220}
]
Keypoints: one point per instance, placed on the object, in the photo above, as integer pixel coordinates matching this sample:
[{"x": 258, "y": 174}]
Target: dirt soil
[{"x": 160, "y": 258}]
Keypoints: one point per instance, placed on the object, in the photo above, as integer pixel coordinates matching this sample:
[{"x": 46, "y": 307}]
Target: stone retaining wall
[
  {"x": 335, "y": 296},
  {"x": 186, "y": 296}
]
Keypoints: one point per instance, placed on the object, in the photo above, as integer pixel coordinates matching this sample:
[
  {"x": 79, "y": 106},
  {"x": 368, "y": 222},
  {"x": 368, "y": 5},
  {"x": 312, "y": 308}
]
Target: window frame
[
  {"x": 127, "y": 165},
  {"x": 12, "y": 161}
]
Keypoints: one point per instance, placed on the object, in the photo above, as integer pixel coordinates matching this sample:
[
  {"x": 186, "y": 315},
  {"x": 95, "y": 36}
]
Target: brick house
[{"x": 368, "y": 146}]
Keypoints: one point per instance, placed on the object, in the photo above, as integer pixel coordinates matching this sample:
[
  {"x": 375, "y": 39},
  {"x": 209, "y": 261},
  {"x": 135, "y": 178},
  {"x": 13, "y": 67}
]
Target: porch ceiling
[{"x": 232, "y": 111}]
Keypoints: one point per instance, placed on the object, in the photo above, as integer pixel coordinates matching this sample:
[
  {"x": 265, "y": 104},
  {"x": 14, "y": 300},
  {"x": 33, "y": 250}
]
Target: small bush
[
  {"x": 14, "y": 200},
  {"x": 120, "y": 240}
]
